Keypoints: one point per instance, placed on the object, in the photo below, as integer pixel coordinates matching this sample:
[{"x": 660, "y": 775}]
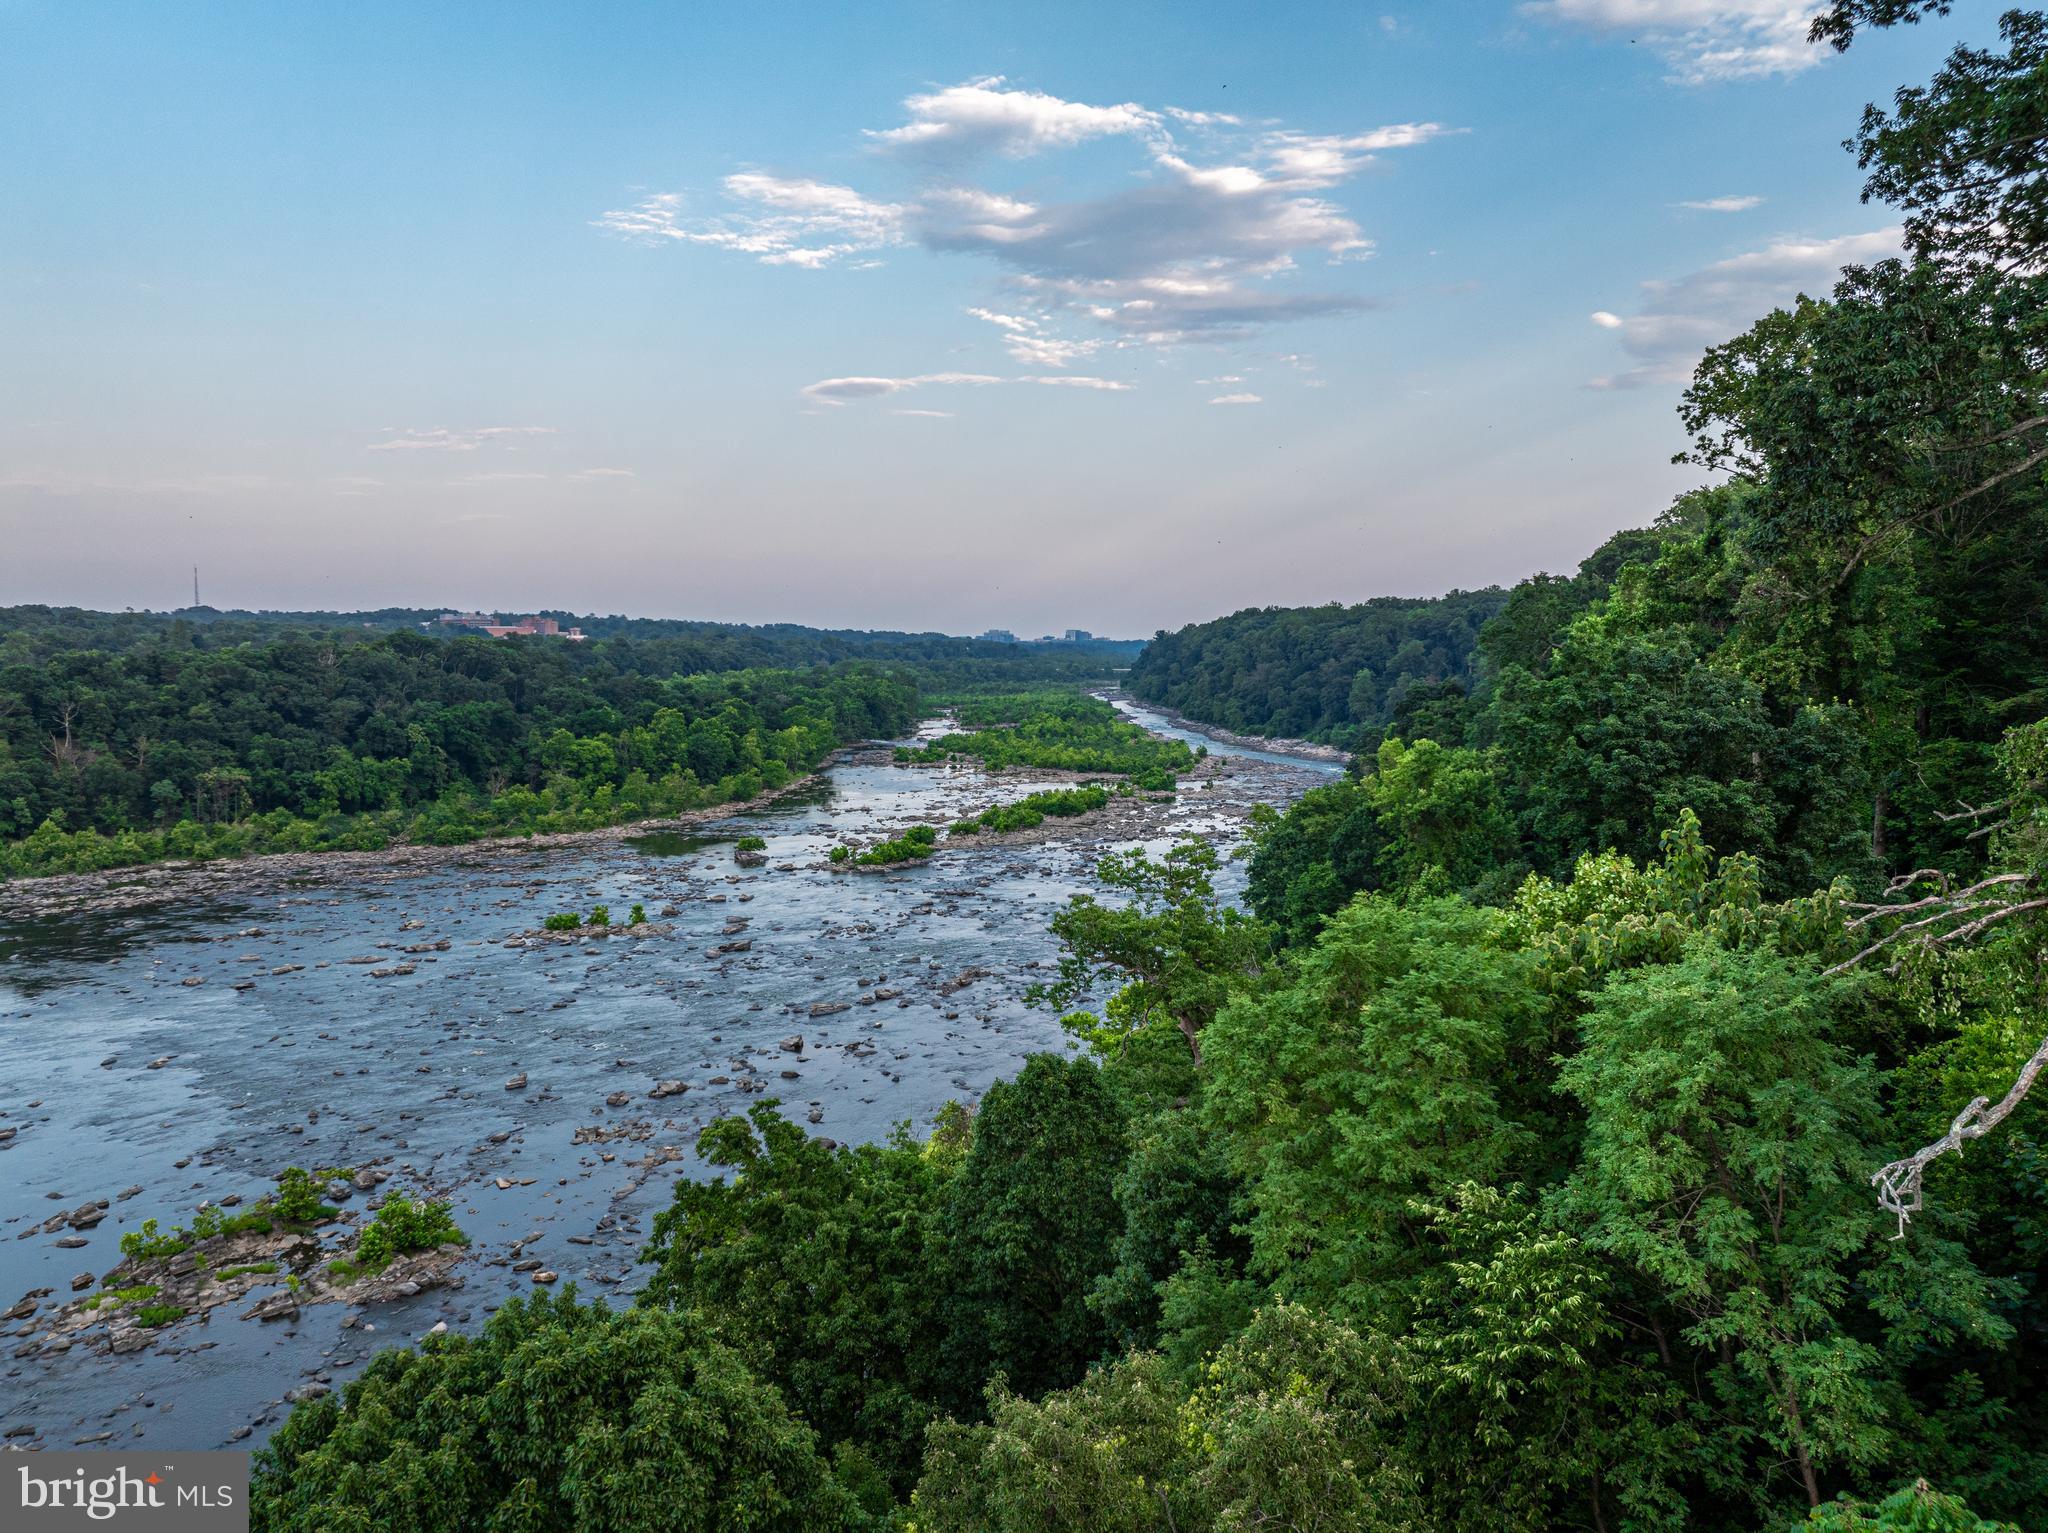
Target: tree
[
  {"x": 1918, "y": 1508},
  {"x": 1031, "y": 1224},
  {"x": 1440, "y": 813},
  {"x": 1967, "y": 155},
  {"x": 1178, "y": 951},
  {"x": 1288, "y": 1427},
  {"x": 1407, "y": 1056},
  {"x": 816, "y": 1266},
  {"x": 1726, "y": 1135},
  {"x": 560, "y": 1415}
]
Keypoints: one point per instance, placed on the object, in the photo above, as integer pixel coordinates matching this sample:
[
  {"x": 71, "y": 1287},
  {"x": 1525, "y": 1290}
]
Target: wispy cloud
[
  {"x": 444, "y": 439},
  {"x": 840, "y": 391},
  {"x": 1702, "y": 40},
  {"x": 1237, "y": 399},
  {"x": 1681, "y": 318},
  {"x": 1189, "y": 243},
  {"x": 983, "y": 116},
  {"x": 781, "y": 222},
  {"x": 1722, "y": 204}
]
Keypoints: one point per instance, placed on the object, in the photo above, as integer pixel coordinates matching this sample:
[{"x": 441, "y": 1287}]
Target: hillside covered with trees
[
  {"x": 1327, "y": 673},
  {"x": 125, "y": 738},
  {"x": 1568, "y": 1136}
]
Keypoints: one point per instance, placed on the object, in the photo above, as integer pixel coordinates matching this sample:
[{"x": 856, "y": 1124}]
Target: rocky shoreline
[
  {"x": 149, "y": 883},
  {"x": 1308, "y": 750}
]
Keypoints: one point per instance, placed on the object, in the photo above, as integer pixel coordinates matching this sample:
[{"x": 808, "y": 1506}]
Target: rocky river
[{"x": 176, "y": 1040}]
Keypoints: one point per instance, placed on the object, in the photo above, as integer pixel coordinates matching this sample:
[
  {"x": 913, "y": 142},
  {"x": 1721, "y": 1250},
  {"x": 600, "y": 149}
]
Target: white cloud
[
  {"x": 1723, "y": 204},
  {"x": 1703, "y": 40},
  {"x": 1221, "y": 379},
  {"x": 1079, "y": 381},
  {"x": 939, "y": 415},
  {"x": 1679, "y": 319},
  {"x": 442, "y": 439},
  {"x": 1178, "y": 246},
  {"x": 1237, "y": 399},
  {"x": 1011, "y": 322},
  {"x": 1605, "y": 320},
  {"x": 839, "y": 391},
  {"x": 604, "y": 473},
  {"x": 982, "y": 115},
  {"x": 1028, "y": 342},
  {"x": 1316, "y": 160},
  {"x": 780, "y": 222}
]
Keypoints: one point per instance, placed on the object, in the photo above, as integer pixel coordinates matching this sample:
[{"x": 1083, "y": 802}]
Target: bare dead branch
[{"x": 1899, "y": 1184}]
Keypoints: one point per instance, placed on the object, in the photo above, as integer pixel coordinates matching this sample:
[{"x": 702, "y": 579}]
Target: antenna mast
[{"x": 195, "y": 585}]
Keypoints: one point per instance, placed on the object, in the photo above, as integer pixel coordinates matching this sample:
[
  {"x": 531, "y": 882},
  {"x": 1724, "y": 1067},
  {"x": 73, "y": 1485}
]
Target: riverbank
[
  {"x": 150, "y": 883},
  {"x": 1307, "y": 750},
  {"x": 394, "y": 1013}
]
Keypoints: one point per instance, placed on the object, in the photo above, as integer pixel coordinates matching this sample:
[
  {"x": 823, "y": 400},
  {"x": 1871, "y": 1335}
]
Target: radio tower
[{"x": 195, "y": 585}]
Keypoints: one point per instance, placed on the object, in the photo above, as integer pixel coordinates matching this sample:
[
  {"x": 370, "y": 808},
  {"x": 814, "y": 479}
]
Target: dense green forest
[
  {"x": 1062, "y": 730},
  {"x": 36, "y": 632},
  {"x": 122, "y": 744},
  {"x": 1568, "y": 1136},
  {"x": 1317, "y": 673}
]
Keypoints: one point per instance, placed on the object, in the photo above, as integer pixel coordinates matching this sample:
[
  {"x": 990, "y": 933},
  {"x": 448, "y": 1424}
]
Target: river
[{"x": 136, "y": 1071}]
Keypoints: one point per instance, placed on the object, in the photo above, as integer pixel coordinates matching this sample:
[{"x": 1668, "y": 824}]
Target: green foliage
[
  {"x": 839, "y": 854},
  {"x": 146, "y": 1245},
  {"x": 914, "y": 845},
  {"x": 1034, "y": 809},
  {"x": 295, "y": 745},
  {"x": 814, "y": 1265},
  {"x": 637, "y": 916},
  {"x": 297, "y": 1200},
  {"x": 1285, "y": 1428},
  {"x": 401, "y": 1226},
  {"x": 1030, "y": 1226},
  {"x": 1407, "y": 1056},
  {"x": 750, "y": 844},
  {"x": 1066, "y": 731},
  {"x": 150, "y": 1316},
  {"x": 1728, "y": 1138},
  {"x": 1332, "y": 673},
  {"x": 1918, "y": 1508},
  {"x": 1176, "y": 950},
  {"x": 559, "y": 1415},
  {"x": 114, "y": 1298},
  {"x": 563, "y": 921}
]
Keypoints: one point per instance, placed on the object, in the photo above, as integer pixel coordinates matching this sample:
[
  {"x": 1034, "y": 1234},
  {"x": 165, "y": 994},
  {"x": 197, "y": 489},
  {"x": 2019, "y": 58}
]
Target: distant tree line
[{"x": 1335, "y": 674}]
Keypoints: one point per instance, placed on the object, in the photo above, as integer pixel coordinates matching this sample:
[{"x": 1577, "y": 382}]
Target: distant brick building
[{"x": 542, "y": 627}]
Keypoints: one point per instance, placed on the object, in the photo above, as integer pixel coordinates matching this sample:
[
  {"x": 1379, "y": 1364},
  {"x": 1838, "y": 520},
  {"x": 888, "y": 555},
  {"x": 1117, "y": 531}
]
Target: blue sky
[{"x": 901, "y": 315}]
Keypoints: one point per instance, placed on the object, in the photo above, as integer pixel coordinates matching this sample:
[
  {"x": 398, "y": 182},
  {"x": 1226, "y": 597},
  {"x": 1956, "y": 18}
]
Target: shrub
[
  {"x": 402, "y": 1225},
  {"x": 750, "y": 844},
  {"x": 840, "y": 853},
  {"x": 568, "y": 921},
  {"x": 146, "y": 1245},
  {"x": 297, "y": 1200},
  {"x": 151, "y": 1316},
  {"x": 638, "y": 915},
  {"x": 915, "y": 842},
  {"x": 600, "y": 915},
  {"x": 559, "y": 1415}
]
